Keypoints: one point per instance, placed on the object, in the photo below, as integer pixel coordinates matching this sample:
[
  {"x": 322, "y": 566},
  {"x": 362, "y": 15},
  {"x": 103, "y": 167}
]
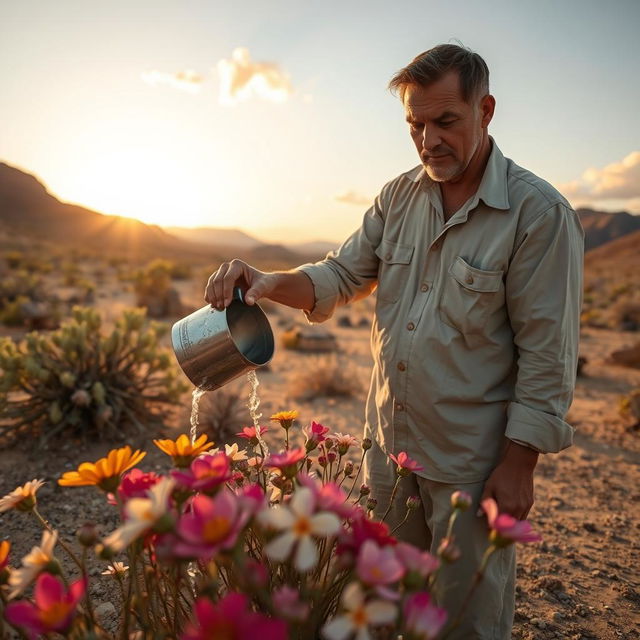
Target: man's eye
[
  {"x": 447, "y": 123},
  {"x": 415, "y": 127}
]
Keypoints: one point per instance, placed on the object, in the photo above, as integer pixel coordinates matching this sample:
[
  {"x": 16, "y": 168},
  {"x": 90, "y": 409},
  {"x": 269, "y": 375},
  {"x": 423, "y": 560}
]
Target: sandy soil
[{"x": 582, "y": 581}]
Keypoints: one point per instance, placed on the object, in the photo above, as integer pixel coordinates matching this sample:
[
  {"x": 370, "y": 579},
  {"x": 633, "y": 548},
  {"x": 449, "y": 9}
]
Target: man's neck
[{"x": 455, "y": 194}]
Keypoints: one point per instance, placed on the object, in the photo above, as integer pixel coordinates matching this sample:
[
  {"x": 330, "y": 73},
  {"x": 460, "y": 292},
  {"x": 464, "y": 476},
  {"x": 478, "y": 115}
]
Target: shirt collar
[{"x": 493, "y": 186}]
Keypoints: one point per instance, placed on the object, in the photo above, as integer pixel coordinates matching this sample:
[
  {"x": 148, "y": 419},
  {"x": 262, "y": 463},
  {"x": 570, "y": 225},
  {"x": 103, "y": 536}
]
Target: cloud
[
  {"x": 616, "y": 181},
  {"x": 187, "y": 80},
  {"x": 241, "y": 79},
  {"x": 352, "y": 197}
]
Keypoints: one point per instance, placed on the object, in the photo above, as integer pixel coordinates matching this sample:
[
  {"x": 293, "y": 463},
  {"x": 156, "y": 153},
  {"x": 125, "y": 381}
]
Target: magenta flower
[
  {"x": 378, "y": 566},
  {"x": 249, "y": 433},
  {"x": 252, "y": 499},
  {"x": 406, "y": 466},
  {"x": 135, "y": 484},
  {"x": 286, "y": 461},
  {"x": 211, "y": 525},
  {"x": 363, "y": 529},
  {"x": 315, "y": 435},
  {"x": 287, "y": 603},
  {"x": 506, "y": 529},
  {"x": 416, "y": 560},
  {"x": 53, "y": 610},
  {"x": 206, "y": 473},
  {"x": 423, "y": 619},
  {"x": 231, "y": 617}
]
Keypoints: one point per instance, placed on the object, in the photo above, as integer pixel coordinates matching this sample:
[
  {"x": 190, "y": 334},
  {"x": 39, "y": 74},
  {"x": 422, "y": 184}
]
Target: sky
[{"x": 275, "y": 118}]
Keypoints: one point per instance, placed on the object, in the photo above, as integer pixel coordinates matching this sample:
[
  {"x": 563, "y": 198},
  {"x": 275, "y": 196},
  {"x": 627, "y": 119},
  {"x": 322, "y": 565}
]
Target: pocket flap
[
  {"x": 394, "y": 253},
  {"x": 475, "y": 279}
]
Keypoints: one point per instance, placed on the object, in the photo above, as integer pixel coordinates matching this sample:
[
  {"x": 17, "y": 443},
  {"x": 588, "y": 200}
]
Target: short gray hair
[{"x": 431, "y": 65}]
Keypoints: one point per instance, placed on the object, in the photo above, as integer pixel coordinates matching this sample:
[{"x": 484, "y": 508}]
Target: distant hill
[
  {"x": 601, "y": 227},
  {"x": 621, "y": 253},
  {"x": 216, "y": 236}
]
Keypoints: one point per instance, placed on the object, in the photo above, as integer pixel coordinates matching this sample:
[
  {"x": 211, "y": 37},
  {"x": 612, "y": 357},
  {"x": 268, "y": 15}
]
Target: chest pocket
[
  {"x": 393, "y": 271},
  {"x": 471, "y": 297}
]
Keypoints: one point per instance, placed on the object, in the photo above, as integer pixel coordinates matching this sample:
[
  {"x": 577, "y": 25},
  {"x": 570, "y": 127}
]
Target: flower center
[
  {"x": 216, "y": 529},
  {"x": 359, "y": 617},
  {"x": 302, "y": 527},
  {"x": 52, "y": 617}
]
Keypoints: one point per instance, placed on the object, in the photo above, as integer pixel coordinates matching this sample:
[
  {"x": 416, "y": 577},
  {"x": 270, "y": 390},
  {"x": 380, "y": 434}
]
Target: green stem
[
  {"x": 357, "y": 476},
  {"x": 406, "y": 517},
  {"x": 393, "y": 495},
  {"x": 63, "y": 544}
]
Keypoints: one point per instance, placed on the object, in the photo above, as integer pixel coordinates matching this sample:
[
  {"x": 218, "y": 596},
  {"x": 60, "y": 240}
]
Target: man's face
[{"x": 446, "y": 130}]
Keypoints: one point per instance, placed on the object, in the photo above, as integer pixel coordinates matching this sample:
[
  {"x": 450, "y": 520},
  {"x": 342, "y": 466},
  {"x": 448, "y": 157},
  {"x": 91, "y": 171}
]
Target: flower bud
[
  {"x": 348, "y": 469},
  {"x": 328, "y": 443},
  {"x": 331, "y": 457},
  {"x": 364, "y": 490},
  {"x": 87, "y": 534},
  {"x": 413, "y": 502},
  {"x": 366, "y": 444},
  {"x": 372, "y": 503},
  {"x": 322, "y": 461},
  {"x": 461, "y": 500},
  {"x": 81, "y": 398},
  {"x": 448, "y": 550}
]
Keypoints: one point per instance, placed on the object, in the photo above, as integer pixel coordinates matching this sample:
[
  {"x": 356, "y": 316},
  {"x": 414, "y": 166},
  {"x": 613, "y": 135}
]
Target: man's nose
[{"x": 430, "y": 139}]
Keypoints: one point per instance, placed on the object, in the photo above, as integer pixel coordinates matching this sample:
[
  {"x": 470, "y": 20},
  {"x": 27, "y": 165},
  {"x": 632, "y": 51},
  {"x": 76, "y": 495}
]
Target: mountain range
[{"x": 27, "y": 208}]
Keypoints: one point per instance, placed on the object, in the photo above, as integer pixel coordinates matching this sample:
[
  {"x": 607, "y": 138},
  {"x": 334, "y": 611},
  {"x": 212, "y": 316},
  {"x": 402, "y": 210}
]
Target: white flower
[
  {"x": 33, "y": 563},
  {"x": 27, "y": 492},
  {"x": 115, "y": 569},
  {"x": 235, "y": 454},
  {"x": 298, "y": 524},
  {"x": 359, "y": 615},
  {"x": 141, "y": 515}
]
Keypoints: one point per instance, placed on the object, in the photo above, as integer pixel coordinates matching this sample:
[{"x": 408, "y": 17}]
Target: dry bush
[
  {"x": 222, "y": 413},
  {"x": 325, "y": 376},
  {"x": 629, "y": 406},
  {"x": 626, "y": 315}
]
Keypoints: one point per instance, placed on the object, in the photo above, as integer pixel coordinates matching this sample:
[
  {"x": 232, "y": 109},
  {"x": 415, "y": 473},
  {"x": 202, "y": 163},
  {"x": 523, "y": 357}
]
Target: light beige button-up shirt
[{"x": 475, "y": 334}]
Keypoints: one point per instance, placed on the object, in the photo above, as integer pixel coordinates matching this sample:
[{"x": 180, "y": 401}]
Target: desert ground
[{"x": 581, "y": 582}]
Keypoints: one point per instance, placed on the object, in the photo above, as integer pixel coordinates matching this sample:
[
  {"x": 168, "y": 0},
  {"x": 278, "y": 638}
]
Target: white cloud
[
  {"x": 187, "y": 80},
  {"x": 352, "y": 197},
  {"x": 616, "y": 181},
  {"x": 241, "y": 79}
]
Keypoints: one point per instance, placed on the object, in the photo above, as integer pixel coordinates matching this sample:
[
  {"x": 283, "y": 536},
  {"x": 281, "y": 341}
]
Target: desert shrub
[
  {"x": 153, "y": 280},
  {"x": 625, "y": 315},
  {"x": 325, "y": 376},
  {"x": 180, "y": 271},
  {"x": 629, "y": 406},
  {"x": 70, "y": 273},
  {"x": 80, "y": 382},
  {"x": 222, "y": 413},
  {"x": 21, "y": 284},
  {"x": 12, "y": 313}
]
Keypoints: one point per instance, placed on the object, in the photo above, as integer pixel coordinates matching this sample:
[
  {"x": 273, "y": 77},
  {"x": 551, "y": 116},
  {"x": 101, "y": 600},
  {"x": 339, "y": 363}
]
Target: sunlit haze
[{"x": 275, "y": 117}]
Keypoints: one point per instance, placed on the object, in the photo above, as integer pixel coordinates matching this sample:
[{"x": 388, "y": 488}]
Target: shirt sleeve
[
  {"x": 351, "y": 272},
  {"x": 544, "y": 297}
]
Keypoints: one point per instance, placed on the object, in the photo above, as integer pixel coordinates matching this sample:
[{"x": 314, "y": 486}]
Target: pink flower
[
  {"x": 506, "y": 529},
  {"x": 232, "y": 618},
  {"x": 415, "y": 560},
  {"x": 249, "y": 433},
  {"x": 406, "y": 466},
  {"x": 377, "y": 566},
  {"x": 329, "y": 497},
  {"x": 315, "y": 435},
  {"x": 343, "y": 442},
  {"x": 134, "y": 484},
  {"x": 206, "y": 473},
  {"x": 287, "y": 603},
  {"x": 53, "y": 610},
  {"x": 252, "y": 499},
  {"x": 363, "y": 529},
  {"x": 461, "y": 500},
  {"x": 286, "y": 461},
  {"x": 212, "y": 524},
  {"x": 423, "y": 619}
]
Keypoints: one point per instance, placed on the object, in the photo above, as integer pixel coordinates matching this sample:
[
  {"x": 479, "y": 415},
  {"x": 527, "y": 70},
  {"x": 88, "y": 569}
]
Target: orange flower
[
  {"x": 181, "y": 450},
  {"x": 5, "y": 547},
  {"x": 106, "y": 472},
  {"x": 285, "y": 418},
  {"x": 23, "y": 498}
]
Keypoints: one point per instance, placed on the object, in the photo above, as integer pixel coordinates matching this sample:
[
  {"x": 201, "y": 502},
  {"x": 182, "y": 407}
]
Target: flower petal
[
  {"x": 302, "y": 503},
  {"x": 337, "y": 629},
  {"x": 306, "y": 554},
  {"x": 277, "y": 518},
  {"x": 325, "y": 524},
  {"x": 380, "y": 612},
  {"x": 280, "y": 548}
]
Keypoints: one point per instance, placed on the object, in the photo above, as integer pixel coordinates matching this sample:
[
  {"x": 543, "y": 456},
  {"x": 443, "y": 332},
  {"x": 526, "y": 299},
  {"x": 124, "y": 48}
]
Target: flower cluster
[{"x": 240, "y": 543}]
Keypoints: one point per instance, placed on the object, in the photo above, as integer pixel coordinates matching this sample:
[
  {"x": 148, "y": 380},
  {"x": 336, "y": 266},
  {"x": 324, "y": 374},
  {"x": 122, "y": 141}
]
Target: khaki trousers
[{"x": 489, "y": 615}]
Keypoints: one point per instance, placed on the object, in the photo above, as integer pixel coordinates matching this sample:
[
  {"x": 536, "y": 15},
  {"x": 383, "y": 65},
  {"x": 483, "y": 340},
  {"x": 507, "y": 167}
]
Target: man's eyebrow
[{"x": 447, "y": 115}]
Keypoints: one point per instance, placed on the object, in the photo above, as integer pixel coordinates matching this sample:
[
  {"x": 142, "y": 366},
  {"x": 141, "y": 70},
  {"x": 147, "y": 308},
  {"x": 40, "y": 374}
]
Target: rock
[
  {"x": 106, "y": 614},
  {"x": 629, "y": 357},
  {"x": 310, "y": 338}
]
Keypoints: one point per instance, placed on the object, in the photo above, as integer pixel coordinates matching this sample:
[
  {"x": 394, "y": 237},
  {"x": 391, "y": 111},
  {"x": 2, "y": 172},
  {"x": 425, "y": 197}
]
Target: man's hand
[
  {"x": 511, "y": 482},
  {"x": 219, "y": 290}
]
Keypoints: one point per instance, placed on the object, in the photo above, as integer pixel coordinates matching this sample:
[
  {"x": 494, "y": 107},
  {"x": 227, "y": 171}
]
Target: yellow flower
[
  {"x": 36, "y": 561},
  {"x": 285, "y": 418},
  {"x": 5, "y": 547},
  {"x": 106, "y": 472},
  {"x": 23, "y": 498},
  {"x": 181, "y": 450}
]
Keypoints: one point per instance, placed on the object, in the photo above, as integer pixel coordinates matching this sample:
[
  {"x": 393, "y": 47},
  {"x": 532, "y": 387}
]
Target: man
[{"x": 478, "y": 268}]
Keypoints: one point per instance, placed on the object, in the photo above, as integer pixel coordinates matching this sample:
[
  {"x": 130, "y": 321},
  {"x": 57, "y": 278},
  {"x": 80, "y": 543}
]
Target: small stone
[{"x": 105, "y": 613}]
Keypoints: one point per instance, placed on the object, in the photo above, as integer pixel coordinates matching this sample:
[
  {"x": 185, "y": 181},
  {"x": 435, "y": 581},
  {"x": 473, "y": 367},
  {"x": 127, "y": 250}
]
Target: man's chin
[{"x": 438, "y": 174}]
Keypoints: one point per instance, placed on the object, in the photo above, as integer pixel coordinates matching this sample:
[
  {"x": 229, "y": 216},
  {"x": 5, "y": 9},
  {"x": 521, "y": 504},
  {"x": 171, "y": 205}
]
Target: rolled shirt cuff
[
  {"x": 325, "y": 288},
  {"x": 536, "y": 429}
]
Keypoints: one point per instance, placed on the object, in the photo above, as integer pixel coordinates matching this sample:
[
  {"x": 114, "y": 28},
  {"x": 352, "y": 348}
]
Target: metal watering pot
[{"x": 214, "y": 347}]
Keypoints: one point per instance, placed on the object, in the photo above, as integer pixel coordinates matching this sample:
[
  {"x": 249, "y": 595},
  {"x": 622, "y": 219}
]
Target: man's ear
[{"x": 487, "y": 108}]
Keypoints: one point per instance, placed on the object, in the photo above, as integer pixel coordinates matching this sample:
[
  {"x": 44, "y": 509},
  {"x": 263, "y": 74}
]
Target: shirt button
[
  {"x": 411, "y": 326},
  {"x": 469, "y": 279},
  {"x": 399, "y": 406},
  {"x": 424, "y": 287},
  {"x": 401, "y": 366}
]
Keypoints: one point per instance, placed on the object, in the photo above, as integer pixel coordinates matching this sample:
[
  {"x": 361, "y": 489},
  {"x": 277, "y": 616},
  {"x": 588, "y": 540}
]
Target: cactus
[{"x": 79, "y": 381}]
